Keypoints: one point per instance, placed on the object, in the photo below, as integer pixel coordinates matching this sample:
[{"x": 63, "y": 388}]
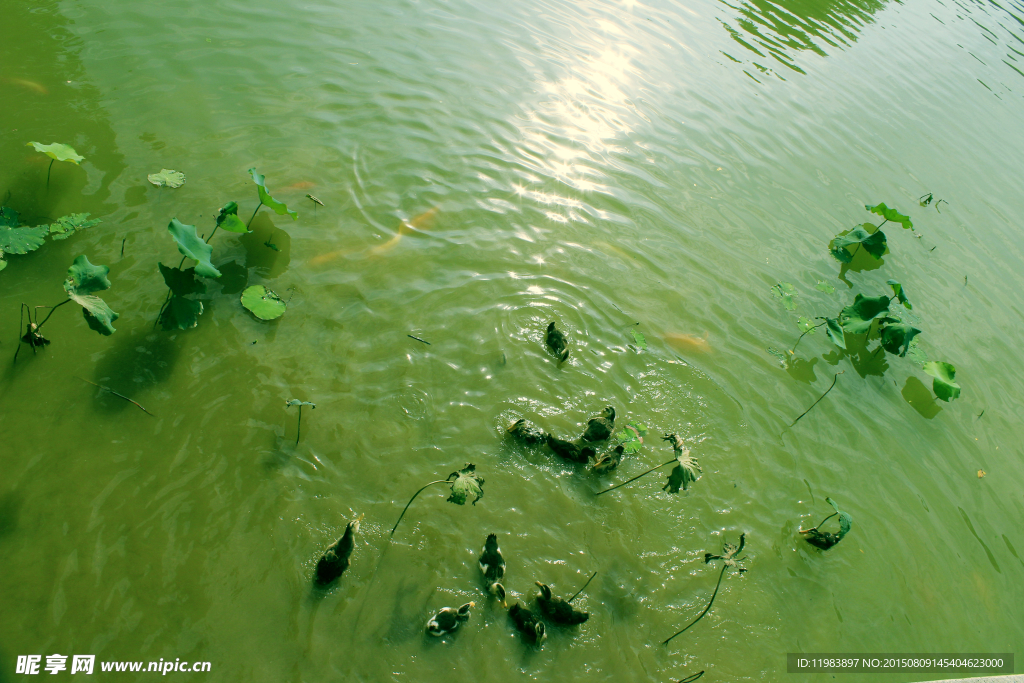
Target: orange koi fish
[{"x": 688, "y": 342}]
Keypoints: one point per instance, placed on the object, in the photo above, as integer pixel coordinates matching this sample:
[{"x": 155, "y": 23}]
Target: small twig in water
[
  {"x": 807, "y": 331},
  {"x": 117, "y": 394},
  {"x": 122, "y": 246},
  {"x": 701, "y": 616},
  {"x": 584, "y": 586},
  {"x": 418, "y": 339},
  {"x": 690, "y": 679},
  {"x": 820, "y": 397}
]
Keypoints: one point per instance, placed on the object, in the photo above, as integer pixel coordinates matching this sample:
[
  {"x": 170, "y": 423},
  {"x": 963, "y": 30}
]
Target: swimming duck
[
  {"x": 492, "y": 564},
  {"x": 600, "y": 428},
  {"x": 526, "y": 433},
  {"x": 556, "y": 342},
  {"x": 609, "y": 461},
  {"x": 449, "y": 619},
  {"x": 528, "y": 624},
  {"x": 676, "y": 441},
  {"x": 336, "y": 558},
  {"x": 569, "y": 450},
  {"x": 557, "y": 609}
]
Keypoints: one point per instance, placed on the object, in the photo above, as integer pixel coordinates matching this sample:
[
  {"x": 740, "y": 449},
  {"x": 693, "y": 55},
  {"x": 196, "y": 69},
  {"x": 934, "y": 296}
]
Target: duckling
[
  {"x": 569, "y": 450},
  {"x": 557, "y": 343},
  {"x": 492, "y": 564},
  {"x": 336, "y": 558},
  {"x": 609, "y": 461},
  {"x": 557, "y": 609},
  {"x": 676, "y": 441},
  {"x": 449, "y": 619},
  {"x": 528, "y": 624},
  {"x": 526, "y": 433},
  {"x": 600, "y": 428}
]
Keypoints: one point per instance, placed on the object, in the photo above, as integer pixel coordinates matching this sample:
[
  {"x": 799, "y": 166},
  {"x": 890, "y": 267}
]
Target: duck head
[
  {"x": 498, "y": 590},
  {"x": 545, "y": 592}
]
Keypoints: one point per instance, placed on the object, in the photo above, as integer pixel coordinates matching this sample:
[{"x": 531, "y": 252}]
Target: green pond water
[{"x": 614, "y": 166}]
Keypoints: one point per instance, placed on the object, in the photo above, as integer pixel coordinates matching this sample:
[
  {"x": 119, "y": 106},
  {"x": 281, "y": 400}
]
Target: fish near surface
[
  {"x": 688, "y": 342},
  {"x": 418, "y": 224}
]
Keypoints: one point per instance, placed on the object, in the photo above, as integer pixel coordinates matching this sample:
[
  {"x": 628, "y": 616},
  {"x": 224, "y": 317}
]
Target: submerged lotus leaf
[
  {"x": 8, "y": 217},
  {"x": 683, "y": 474},
  {"x": 279, "y": 207},
  {"x": 83, "y": 279},
  {"x": 891, "y": 215},
  {"x": 786, "y": 291},
  {"x": 943, "y": 385},
  {"x": 901, "y": 293},
  {"x": 228, "y": 219},
  {"x": 835, "y": 332},
  {"x": 805, "y": 324},
  {"x": 167, "y": 178},
  {"x": 182, "y": 282},
  {"x": 181, "y": 313},
  {"x": 916, "y": 353},
  {"x": 66, "y": 226},
  {"x": 873, "y": 243},
  {"x": 857, "y": 317},
  {"x": 896, "y": 336},
  {"x": 639, "y": 338},
  {"x": 465, "y": 483},
  {"x": 58, "y": 151},
  {"x": 22, "y": 240},
  {"x": 823, "y": 286},
  {"x": 191, "y": 246},
  {"x": 263, "y": 303}
]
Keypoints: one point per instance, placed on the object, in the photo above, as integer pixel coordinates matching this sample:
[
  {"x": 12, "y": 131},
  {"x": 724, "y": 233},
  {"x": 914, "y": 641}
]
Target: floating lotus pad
[
  {"x": 263, "y": 303},
  {"x": 66, "y": 226},
  {"x": 167, "y": 178}
]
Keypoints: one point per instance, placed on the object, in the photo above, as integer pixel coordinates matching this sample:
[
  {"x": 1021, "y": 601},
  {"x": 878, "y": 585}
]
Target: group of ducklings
[
  {"x": 598, "y": 430},
  {"x": 492, "y": 566}
]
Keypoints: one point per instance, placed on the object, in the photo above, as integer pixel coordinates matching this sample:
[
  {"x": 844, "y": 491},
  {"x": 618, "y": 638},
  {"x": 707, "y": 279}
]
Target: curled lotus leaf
[
  {"x": 182, "y": 282},
  {"x": 66, "y": 226},
  {"x": 944, "y": 384},
  {"x": 263, "y": 303},
  {"x": 900, "y": 293},
  {"x": 280, "y": 208},
  {"x": 167, "y": 178},
  {"x": 687, "y": 471},
  {"x": 228, "y": 219},
  {"x": 858, "y": 316},
  {"x": 896, "y": 336},
  {"x": 891, "y": 215},
  {"x": 83, "y": 279},
  {"x": 835, "y": 332},
  {"x": 191, "y": 246},
  {"x": 466, "y": 483},
  {"x": 873, "y": 243},
  {"x": 58, "y": 151}
]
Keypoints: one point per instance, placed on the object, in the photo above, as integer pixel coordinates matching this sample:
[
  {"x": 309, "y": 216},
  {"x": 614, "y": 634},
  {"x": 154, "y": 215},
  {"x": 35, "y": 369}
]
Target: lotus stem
[
  {"x": 636, "y": 477},
  {"x": 118, "y": 395},
  {"x": 813, "y": 528},
  {"x": 820, "y": 397},
  {"x": 52, "y": 309},
  {"x": 48, "y": 169},
  {"x": 584, "y": 586},
  {"x": 690, "y": 679},
  {"x": 298, "y": 432},
  {"x": 253, "y": 216},
  {"x": 720, "y": 575},
  {"x": 439, "y": 481},
  {"x": 791, "y": 351}
]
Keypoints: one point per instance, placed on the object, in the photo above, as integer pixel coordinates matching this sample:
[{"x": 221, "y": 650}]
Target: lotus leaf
[
  {"x": 891, "y": 215},
  {"x": 297, "y": 402},
  {"x": 191, "y": 246},
  {"x": 182, "y": 282},
  {"x": 58, "y": 151},
  {"x": 916, "y": 353},
  {"x": 181, "y": 313},
  {"x": 683, "y": 474},
  {"x": 228, "y": 219},
  {"x": 896, "y": 336},
  {"x": 631, "y": 437},
  {"x": 823, "y": 286},
  {"x": 873, "y": 243},
  {"x": 786, "y": 291},
  {"x": 278, "y": 207},
  {"x": 901, "y": 293},
  {"x": 263, "y": 303},
  {"x": 835, "y": 332},
  {"x": 66, "y": 226},
  {"x": 8, "y": 217},
  {"x": 464, "y": 484},
  {"x": 639, "y": 338},
  {"x": 857, "y": 317},
  {"x": 83, "y": 279},
  {"x": 167, "y": 178},
  {"x": 943, "y": 385},
  {"x": 805, "y": 324},
  {"x": 22, "y": 240}
]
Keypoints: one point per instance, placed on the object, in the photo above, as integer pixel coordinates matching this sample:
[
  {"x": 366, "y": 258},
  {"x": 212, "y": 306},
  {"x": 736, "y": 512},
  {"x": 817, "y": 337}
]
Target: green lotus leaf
[
  {"x": 683, "y": 474},
  {"x": 845, "y": 523},
  {"x": 835, "y": 332},
  {"x": 8, "y": 217},
  {"x": 297, "y": 402},
  {"x": 943, "y": 385},
  {"x": 228, "y": 219},
  {"x": 835, "y": 505},
  {"x": 465, "y": 483},
  {"x": 191, "y": 246},
  {"x": 22, "y": 240},
  {"x": 263, "y": 303},
  {"x": 83, "y": 279},
  {"x": 3, "y": 263},
  {"x": 805, "y": 324},
  {"x": 181, "y": 313},
  {"x": 167, "y": 178},
  {"x": 873, "y": 243},
  {"x": 823, "y": 286},
  {"x": 896, "y": 336},
  {"x": 786, "y": 291},
  {"x": 631, "y": 437},
  {"x": 891, "y": 215},
  {"x": 279, "y": 207},
  {"x": 66, "y": 226},
  {"x": 857, "y": 317},
  {"x": 58, "y": 151},
  {"x": 901, "y": 293},
  {"x": 182, "y": 282},
  {"x": 639, "y": 338}
]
